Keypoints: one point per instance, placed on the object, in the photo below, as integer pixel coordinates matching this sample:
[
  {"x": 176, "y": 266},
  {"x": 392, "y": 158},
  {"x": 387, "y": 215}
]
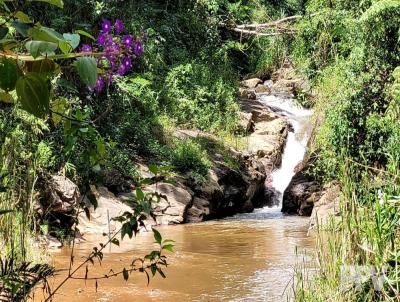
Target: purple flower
[
  {"x": 138, "y": 49},
  {"x": 86, "y": 48},
  {"x": 127, "y": 62},
  {"x": 119, "y": 26},
  {"x": 122, "y": 70},
  {"x": 127, "y": 40},
  {"x": 102, "y": 38},
  {"x": 106, "y": 26},
  {"x": 100, "y": 84}
]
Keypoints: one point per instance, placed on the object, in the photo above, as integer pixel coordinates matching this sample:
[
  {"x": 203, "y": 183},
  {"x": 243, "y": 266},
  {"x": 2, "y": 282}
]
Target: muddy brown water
[
  {"x": 248, "y": 257},
  {"x": 238, "y": 259}
]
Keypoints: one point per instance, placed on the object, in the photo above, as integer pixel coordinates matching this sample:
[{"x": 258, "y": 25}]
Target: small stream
[{"x": 247, "y": 257}]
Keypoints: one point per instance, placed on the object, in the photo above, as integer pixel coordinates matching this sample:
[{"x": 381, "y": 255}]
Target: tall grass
[{"x": 364, "y": 238}]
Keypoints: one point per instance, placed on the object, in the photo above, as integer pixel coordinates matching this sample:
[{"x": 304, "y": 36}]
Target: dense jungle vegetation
[{"x": 75, "y": 115}]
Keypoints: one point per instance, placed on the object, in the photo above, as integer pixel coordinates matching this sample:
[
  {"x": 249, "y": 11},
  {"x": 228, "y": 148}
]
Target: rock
[
  {"x": 49, "y": 242},
  {"x": 262, "y": 89},
  {"x": 109, "y": 206},
  {"x": 62, "y": 196},
  {"x": 326, "y": 207},
  {"x": 301, "y": 194},
  {"x": 173, "y": 209},
  {"x": 250, "y": 83},
  {"x": 246, "y": 121}
]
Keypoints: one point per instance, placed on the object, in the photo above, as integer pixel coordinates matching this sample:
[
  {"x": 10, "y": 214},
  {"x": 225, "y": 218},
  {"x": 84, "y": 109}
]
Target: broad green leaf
[
  {"x": 58, "y": 106},
  {"x": 157, "y": 236},
  {"x": 41, "y": 33},
  {"x": 168, "y": 247},
  {"x": 87, "y": 70},
  {"x": 33, "y": 93},
  {"x": 45, "y": 67},
  {"x": 37, "y": 48},
  {"x": 65, "y": 47},
  {"x": 72, "y": 39},
  {"x": 139, "y": 194},
  {"x": 58, "y": 3},
  {"x": 8, "y": 74},
  {"x": 21, "y": 28},
  {"x": 24, "y": 18},
  {"x": 153, "y": 169},
  {"x": 115, "y": 241},
  {"x": 86, "y": 34},
  {"x": 3, "y": 32}
]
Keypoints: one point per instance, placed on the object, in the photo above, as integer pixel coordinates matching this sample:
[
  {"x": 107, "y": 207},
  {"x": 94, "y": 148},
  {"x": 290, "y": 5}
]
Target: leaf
[
  {"x": 168, "y": 247},
  {"x": 86, "y": 34},
  {"x": 153, "y": 269},
  {"x": 64, "y": 46},
  {"x": 72, "y": 39},
  {"x": 157, "y": 236},
  {"x": 58, "y": 3},
  {"x": 3, "y": 32},
  {"x": 21, "y": 28},
  {"x": 21, "y": 16},
  {"x": 45, "y": 67},
  {"x": 139, "y": 194},
  {"x": 87, "y": 70},
  {"x": 93, "y": 200},
  {"x": 33, "y": 93},
  {"x": 42, "y": 33},
  {"x": 37, "y": 48},
  {"x": 8, "y": 74},
  {"x": 153, "y": 169},
  {"x": 125, "y": 274},
  {"x": 58, "y": 106},
  {"x": 161, "y": 272},
  {"x": 6, "y": 97},
  {"x": 115, "y": 241}
]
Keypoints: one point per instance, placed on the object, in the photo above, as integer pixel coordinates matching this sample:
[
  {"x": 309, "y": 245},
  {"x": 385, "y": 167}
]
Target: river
[{"x": 247, "y": 257}]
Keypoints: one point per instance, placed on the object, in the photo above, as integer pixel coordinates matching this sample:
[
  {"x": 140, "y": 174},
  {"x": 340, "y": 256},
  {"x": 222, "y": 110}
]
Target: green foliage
[{"x": 188, "y": 155}]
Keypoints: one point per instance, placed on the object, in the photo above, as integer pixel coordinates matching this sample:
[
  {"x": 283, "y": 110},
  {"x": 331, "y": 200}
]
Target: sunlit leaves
[
  {"x": 85, "y": 34},
  {"x": 87, "y": 70},
  {"x": 58, "y": 3},
  {"x": 8, "y": 74},
  {"x": 24, "y": 18},
  {"x": 58, "y": 109},
  {"x": 33, "y": 93},
  {"x": 37, "y": 48}
]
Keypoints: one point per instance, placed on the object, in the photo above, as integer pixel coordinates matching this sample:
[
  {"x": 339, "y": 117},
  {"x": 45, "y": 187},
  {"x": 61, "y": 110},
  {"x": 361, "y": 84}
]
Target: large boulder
[
  {"x": 251, "y": 83},
  {"x": 326, "y": 207},
  {"x": 101, "y": 218},
  {"x": 301, "y": 194},
  {"x": 62, "y": 196},
  {"x": 173, "y": 208}
]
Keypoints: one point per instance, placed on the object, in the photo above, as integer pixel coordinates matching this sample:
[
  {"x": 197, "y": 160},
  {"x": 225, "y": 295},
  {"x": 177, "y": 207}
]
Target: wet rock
[
  {"x": 62, "y": 196},
  {"x": 262, "y": 89},
  {"x": 251, "y": 83},
  {"x": 327, "y": 206},
  {"x": 301, "y": 194}
]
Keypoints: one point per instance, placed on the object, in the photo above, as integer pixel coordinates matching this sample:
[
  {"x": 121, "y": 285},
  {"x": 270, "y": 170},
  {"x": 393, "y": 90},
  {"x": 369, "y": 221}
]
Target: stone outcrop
[
  {"x": 100, "y": 220},
  {"x": 326, "y": 207},
  {"x": 301, "y": 194},
  {"x": 62, "y": 196}
]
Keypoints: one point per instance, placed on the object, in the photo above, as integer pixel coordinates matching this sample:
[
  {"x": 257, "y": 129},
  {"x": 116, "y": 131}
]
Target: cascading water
[{"x": 293, "y": 154}]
